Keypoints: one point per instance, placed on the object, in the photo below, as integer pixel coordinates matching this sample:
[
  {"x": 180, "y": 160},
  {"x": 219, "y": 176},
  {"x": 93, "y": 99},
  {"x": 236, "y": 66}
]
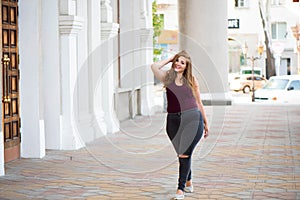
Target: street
[
  {"x": 240, "y": 97},
  {"x": 252, "y": 152}
]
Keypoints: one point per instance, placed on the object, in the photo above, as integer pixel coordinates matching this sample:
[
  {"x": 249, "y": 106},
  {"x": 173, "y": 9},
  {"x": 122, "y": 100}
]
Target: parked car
[
  {"x": 244, "y": 83},
  {"x": 280, "y": 89}
]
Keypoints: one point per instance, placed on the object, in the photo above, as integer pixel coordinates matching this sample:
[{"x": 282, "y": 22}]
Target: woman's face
[{"x": 180, "y": 64}]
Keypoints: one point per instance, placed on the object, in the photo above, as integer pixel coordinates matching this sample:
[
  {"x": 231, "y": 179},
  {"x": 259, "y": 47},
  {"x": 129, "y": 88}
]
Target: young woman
[{"x": 186, "y": 119}]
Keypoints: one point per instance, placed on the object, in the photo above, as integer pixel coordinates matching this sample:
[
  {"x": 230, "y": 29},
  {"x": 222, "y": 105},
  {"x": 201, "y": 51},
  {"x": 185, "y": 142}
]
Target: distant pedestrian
[{"x": 186, "y": 119}]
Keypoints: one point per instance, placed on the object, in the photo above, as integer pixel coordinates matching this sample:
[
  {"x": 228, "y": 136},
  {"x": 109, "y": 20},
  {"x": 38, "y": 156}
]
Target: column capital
[
  {"x": 70, "y": 24},
  {"x": 109, "y": 30}
]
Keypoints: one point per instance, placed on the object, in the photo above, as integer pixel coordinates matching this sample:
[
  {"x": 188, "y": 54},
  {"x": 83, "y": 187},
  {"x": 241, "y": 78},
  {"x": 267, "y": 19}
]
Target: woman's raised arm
[{"x": 157, "y": 68}]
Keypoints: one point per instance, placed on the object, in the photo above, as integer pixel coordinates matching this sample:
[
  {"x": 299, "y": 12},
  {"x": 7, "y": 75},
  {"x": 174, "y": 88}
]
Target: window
[
  {"x": 258, "y": 78},
  {"x": 278, "y": 84},
  {"x": 279, "y": 30},
  {"x": 243, "y": 61},
  {"x": 241, "y": 3},
  {"x": 295, "y": 85}
]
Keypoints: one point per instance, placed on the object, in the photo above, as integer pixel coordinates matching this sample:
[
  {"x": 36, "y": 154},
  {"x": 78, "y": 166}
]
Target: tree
[
  {"x": 270, "y": 68},
  {"x": 157, "y": 23}
]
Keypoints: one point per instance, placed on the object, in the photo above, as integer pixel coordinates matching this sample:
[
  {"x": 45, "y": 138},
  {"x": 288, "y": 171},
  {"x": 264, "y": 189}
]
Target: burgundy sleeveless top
[{"x": 180, "y": 98}]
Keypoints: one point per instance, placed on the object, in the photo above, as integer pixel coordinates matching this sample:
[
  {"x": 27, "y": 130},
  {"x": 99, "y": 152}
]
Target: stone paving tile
[{"x": 253, "y": 152}]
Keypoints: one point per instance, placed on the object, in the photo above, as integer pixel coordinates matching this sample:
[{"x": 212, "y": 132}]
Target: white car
[{"x": 280, "y": 89}]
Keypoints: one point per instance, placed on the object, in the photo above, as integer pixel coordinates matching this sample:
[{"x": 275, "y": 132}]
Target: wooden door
[{"x": 10, "y": 80}]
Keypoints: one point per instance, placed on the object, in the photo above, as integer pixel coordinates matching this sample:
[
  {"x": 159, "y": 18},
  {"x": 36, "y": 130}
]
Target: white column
[
  {"x": 277, "y": 64},
  {"x": 106, "y": 84},
  {"x": 203, "y": 33},
  {"x": 277, "y": 48},
  {"x": 95, "y": 65},
  {"x": 69, "y": 26},
  {"x": 89, "y": 121},
  {"x": 32, "y": 130},
  {"x": 106, "y": 78},
  {"x": 146, "y": 55},
  {"x": 128, "y": 42},
  {"x": 51, "y": 75}
]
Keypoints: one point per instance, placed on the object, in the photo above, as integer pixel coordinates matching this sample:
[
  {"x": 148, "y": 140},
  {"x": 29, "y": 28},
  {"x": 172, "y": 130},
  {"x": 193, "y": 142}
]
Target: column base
[
  {"x": 216, "y": 99},
  {"x": 70, "y": 137}
]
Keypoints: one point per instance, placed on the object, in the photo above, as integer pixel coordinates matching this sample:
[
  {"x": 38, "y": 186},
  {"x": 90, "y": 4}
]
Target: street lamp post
[
  {"x": 296, "y": 33},
  {"x": 252, "y": 59}
]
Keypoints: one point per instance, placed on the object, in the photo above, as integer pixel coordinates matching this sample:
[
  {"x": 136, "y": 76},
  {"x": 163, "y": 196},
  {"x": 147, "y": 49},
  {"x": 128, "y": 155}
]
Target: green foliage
[
  {"x": 157, "y": 23},
  {"x": 157, "y": 51},
  {"x": 156, "y": 20}
]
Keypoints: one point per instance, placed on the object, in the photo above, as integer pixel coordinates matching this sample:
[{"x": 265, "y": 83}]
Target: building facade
[
  {"x": 245, "y": 26},
  {"x": 72, "y": 70}
]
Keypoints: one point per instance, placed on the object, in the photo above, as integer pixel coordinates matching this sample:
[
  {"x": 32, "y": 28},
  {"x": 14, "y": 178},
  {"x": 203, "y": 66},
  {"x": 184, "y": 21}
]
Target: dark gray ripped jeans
[{"x": 185, "y": 130}]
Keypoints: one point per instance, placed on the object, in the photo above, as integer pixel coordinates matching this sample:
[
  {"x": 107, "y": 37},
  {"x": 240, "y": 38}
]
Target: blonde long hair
[{"x": 188, "y": 77}]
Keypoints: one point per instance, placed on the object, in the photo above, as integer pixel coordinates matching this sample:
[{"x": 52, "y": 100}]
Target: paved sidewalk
[{"x": 253, "y": 152}]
